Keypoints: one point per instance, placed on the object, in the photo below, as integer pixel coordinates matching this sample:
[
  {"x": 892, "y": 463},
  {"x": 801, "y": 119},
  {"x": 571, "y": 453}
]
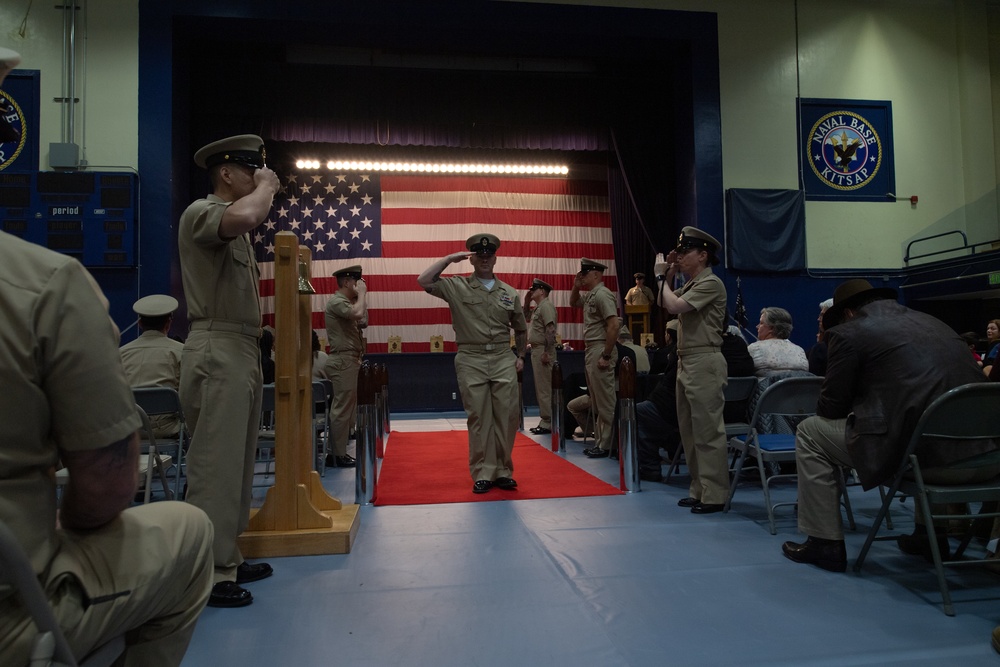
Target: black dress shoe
[
  {"x": 538, "y": 430},
  {"x": 482, "y": 486},
  {"x": 688, "y": 502},
  {"x": 707, "y": 508},
  {"x": 596, "y": 453},
  {"x": 828, "y": 554},
  {"x": 505, "y": 483},
  {"x": 345, "y": 461},
  {"x": 918, "y": 544},
  {"x": 246, "y": 572},
  {"x": 229, "y": 594},
  {"x": 650, "y": 475}
]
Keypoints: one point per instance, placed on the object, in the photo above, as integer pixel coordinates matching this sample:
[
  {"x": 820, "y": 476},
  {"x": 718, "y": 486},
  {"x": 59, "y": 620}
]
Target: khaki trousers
[
  {"x": 487, "y": 381},
  {"x": 221, "y": 396},
  {"x": 342, "y": 369},
  {"x": 543, "y": 385},
  {"x": 701, "y": 381},
  {"x": 601, "y": 387},
  {"x": 147, "y": 574}
]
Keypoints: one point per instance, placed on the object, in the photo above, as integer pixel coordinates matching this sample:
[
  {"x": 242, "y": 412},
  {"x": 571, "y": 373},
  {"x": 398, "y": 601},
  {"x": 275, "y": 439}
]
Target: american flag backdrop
[{"x": 395, "y": 226}]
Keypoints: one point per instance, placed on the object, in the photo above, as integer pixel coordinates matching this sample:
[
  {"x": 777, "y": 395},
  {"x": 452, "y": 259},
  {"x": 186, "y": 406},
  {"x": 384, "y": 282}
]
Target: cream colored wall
[
  {"x": 107, "y": 74},
  {"x": 930, "y": 58}
]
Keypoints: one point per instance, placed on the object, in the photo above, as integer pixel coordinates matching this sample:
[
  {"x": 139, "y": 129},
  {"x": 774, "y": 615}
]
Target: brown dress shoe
[{"x": 828, "y": 554}]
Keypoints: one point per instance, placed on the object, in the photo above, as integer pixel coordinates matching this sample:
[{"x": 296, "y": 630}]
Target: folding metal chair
[
  {"x": 266, "y": 436},
  {"x": 966, "y": 413},
  {"x": 792, "y": 397},
  {"x": 321, "y": 423},
  {"x": 50, "y": 646},
  {"x": 156, "y": 401}
]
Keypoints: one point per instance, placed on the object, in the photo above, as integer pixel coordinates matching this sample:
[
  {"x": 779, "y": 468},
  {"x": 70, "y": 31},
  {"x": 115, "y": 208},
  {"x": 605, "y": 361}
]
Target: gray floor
[{"x": 622, "y": 580}]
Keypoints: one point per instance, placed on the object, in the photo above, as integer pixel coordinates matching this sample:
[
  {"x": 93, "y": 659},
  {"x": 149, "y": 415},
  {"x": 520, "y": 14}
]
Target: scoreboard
[{"x": 89, "y": 215}]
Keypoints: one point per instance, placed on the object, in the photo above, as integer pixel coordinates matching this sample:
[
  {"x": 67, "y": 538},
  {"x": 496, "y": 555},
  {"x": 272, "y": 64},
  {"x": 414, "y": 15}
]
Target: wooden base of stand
[{"x": 336, "y": 539}]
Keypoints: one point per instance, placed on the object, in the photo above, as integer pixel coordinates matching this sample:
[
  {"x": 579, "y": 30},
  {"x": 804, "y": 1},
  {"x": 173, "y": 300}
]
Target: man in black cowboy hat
[{"x": 886, "y": 364}]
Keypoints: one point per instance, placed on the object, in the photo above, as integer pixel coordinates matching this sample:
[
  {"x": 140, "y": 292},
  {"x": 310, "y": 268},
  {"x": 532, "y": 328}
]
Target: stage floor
[{"x": 622, "y": 580}]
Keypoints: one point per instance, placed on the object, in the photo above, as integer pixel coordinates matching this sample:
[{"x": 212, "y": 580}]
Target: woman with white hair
[{"x": 773, "y": 352}]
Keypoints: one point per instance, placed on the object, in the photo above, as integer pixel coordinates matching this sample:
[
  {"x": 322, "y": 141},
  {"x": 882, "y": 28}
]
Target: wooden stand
[
  {"x": 637, "y": 319},
  {"x": 298, "y": 517}
]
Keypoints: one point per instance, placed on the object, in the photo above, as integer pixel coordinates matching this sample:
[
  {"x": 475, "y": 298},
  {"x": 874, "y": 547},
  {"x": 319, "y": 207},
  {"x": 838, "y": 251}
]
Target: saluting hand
[
  {"x": 360, "y": 286},
  {"x": 267, "y": 178}
]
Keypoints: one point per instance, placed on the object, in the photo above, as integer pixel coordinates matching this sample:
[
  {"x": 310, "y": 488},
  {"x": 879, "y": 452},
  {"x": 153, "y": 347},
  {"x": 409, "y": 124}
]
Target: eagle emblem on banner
[{"x": 846, "y": 150}]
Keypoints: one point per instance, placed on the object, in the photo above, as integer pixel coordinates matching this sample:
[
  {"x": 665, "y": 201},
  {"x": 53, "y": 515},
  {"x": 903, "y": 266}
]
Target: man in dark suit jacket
[{"x": 886, "y": 364}]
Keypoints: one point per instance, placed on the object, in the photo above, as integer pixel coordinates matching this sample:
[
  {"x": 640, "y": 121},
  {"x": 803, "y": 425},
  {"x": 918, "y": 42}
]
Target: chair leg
[
  {"x": 738, "y": 470},
  {"x": 888, "y": 515},
  {"x": 883, "y": 512},
  {"x": 675, "y": 463},
  {"x": 767, "y": 491},
  {"x": 845, "y": 499}
]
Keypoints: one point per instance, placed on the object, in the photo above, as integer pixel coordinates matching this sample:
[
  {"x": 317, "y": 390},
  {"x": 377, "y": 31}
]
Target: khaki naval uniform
[
  {"x": 220, "y": 374},
  {"x": 598, "y": 305},
  {"x": 154, "y": 360},
  {"x": 342, "y": 366},
  {"x": 487, "y": 378},
  {"x": 543, "y": 315},
  {"x": 701, "y": 381},
  {"x": 639, "y": 296},
  {"x": 148, "y": 570}
]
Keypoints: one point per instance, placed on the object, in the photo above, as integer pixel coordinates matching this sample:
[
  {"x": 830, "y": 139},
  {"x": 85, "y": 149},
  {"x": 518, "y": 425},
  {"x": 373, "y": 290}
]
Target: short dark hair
[{"x": 154, "y": 323}]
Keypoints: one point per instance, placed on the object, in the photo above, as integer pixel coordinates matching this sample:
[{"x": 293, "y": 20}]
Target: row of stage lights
[{"x": 436, "y": 168}]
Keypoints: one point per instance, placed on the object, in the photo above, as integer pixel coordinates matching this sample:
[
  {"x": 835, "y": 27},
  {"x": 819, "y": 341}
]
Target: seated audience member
[
  {"x": 641, "y": 356},
  {"x": 817, "y": 353},
  {"x": 144, "y": 572},
  {"x": 319, "y": 359},
  {"x": 886, "y": 364},
  {"x": 154, "y": 359},
  {"x": 659, "y": 359},
  {"x": 266, "y": 342},
  {"x": 656, "y": 417},
  {"x": 578, "y": 407},
  {"x": 992, "y": 345},
  {"x": 773, "y": 351},
  {"x": 971, "y": 339}
]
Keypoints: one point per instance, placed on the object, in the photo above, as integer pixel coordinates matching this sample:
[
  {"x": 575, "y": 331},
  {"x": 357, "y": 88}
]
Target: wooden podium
[
  {"x": 298, "y": 517},
  {"x": 637, "y": 319}
]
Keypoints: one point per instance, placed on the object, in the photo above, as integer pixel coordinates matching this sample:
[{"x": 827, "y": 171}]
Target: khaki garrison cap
[
  {"x": 155, "y": 305},
  {"x": 245, "y": 149},
  {"x": 483, "y": 244}
]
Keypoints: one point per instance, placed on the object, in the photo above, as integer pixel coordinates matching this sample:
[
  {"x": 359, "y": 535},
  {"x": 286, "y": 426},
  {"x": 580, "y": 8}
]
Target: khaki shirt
[
  {"x": 343, "y": 333},
  {"x": 598, "y": 305},
  {"x": 154, "y": 359},
  {"x": 543, "y": 315},
  {"x": 63, "y": 384},
  {"x": 480, "y": 316},
  {"x": 700, "y": 329},
  {"x": 639, "y": 296},
  {"x": 220, "y": 276}
]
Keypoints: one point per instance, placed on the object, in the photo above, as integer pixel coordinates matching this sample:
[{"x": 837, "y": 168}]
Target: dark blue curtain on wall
[{"x": 766, "y": 230}]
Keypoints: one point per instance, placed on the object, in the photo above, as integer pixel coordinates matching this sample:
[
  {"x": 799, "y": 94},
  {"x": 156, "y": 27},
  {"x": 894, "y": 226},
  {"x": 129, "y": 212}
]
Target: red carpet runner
[{"x": 426, "y": 468}]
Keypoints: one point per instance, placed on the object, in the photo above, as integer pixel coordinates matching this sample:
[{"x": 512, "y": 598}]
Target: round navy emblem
[
  {"x": 845, "y": 151},
  {"x": 13, "y": 130}
]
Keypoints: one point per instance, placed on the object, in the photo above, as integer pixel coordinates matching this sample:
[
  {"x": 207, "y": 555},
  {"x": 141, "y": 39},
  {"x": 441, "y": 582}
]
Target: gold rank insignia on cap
[{"x": 483, "y": 244}]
